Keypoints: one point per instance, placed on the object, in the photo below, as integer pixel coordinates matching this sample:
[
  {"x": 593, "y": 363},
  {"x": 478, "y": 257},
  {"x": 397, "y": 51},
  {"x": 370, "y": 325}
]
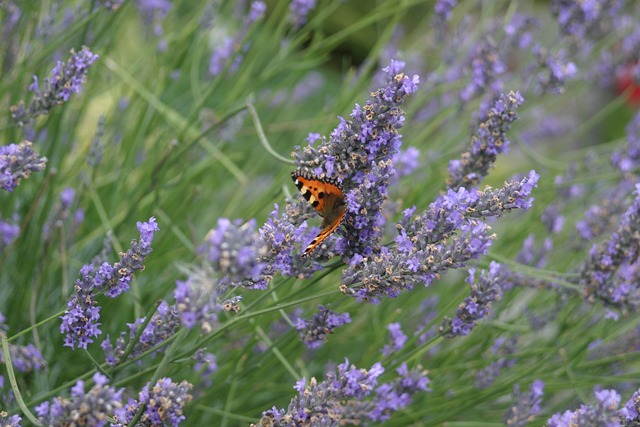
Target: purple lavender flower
[
  {"x": 25, "y": 358},
  {"x": 406, "y": 162},
  {"x": 198, "y": 300},
  {"x": 233, "y": 249},
  {"x": 314, "y": 332},
  {"x": 359, "y": 154},
  {"x": 205, "y": 365},
  {"x": 344, "y": 397},
  {"x": 554, "y": 71},
  {"x": 486, "y": 71},
  {"x": 397, "y": 337},
  {"x": 163, "y": 404},
  {"x": 602, "y": 217},
  {"x": 630, "y": 412},
  {"x": 80, "y": 321},
  {"x": 600, "y": 276},
  {"x": 94, "y": 157},
  {"x": 7, "y": 420},
  {"x": 17, "y": 161},
  {"x": 299, "y": 10},
  {"x": 603, "y": 413},
  {"x": 552, "y": 219},
  {"x": 86, "y": 408},
  {"x": 66, "y": 78},
  {"x": 478, "y": 304},
  {"x": 8, "y": 233},
  {"x": 445, "y": 237},
  {"x": 530, "y": 255},
  {"x": 231, "y": 46},
  {"x": 526, "y": 405},
  {"x": 487, "y": 142},
  {"x": 63, "y": 217},
  {"x": 163, "y": 324},
  {"x": 627, "y": 159},
  {"x": 504, "y": 349},
  {"x": 584, "y": 22},
  {"x": 443, "y": 9}
]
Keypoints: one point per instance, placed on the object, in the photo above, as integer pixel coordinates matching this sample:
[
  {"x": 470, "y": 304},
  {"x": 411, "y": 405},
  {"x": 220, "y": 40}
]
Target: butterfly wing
[{"x": 327, "y": 198}]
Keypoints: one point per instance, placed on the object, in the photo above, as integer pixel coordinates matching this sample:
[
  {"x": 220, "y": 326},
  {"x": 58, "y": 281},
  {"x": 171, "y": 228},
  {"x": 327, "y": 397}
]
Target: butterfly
[{"x": 327, "y": 198}]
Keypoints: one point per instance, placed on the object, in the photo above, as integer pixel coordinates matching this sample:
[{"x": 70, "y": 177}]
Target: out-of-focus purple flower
[
  {"x": 525, "y": 406},
  {"x": 163, "y": 404},
  {"x": 504, "y": 349},
  {"x": 17, "y": 161},
  {"x": 314, "y": 332},
  {"x": 163, "y": 324},
  {"x": 443, "y": 9},
  {"x": 406, "y": 162},
  {"x": 486, "y": 71},
  {"x": 25, "y": 358},
  {"x": 484, "y": 292},
  {"x": 600, "y": 277},
  {"x": 299, "y": 10},
  {"x": 554, "y": 71},
  {"x": 94, "y": 157},
  {"x": 486, "y": 143},
  {"x": 234, "y": 250},
  {"x": 627, "y": 159},
  {"x": 80, "y": 320},
  {"x": 205, "y": 365},
  {"x": 7, "y": 420},
  {"x": 92, "y": 407},
  {"x": 231, "y": 45},
  {"x": 535, "y": 257},
  {"x": 603, "y": 413},
  {"x": 345, "y": 397},
  {"x": 397, "y": 337},
  {"x": 359, "y": 154},
  {"x": 552, "y": 219},
  {"x": 63, "y": 218},
  {"x": 66, "y": 78},
  {"x": 198, "y": 300},
  {"x": 8, "y": 233},
  {"x": 630, "y": 412}
]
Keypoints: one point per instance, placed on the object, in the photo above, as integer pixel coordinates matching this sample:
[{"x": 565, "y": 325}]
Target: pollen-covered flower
[
  {"x": 66, "y": 79},
  {"x": 90, "y": 408},
  {"x": 314, "y": 332},
  {"x": 486, "y": 143},
  {"x": 163, "y": 404},
  {"x": 602, "y": 413},
  {"x": 80, "y": 320},
  {"x": 348, "y": 396},
  {"x": 17, "y": 161}
]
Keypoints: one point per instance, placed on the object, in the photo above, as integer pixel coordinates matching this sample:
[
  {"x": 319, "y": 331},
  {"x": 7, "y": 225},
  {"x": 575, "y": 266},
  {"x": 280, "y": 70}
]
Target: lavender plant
[{"x": 485, "y": 154}]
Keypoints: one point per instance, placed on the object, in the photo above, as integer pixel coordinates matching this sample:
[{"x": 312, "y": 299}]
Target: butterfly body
[{"x": 327, "y": 198}]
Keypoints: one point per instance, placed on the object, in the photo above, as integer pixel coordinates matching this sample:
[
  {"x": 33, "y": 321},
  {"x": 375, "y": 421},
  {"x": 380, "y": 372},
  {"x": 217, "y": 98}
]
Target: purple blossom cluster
[
  {"x": 163, "y": 324},
  {"x": 444, "y": 237},
  {"x": 205, "y": 365},
  {"x": 163, "y": 404},
  {"x": 627, "y": 159},
  {"x": 526, "y": 406},
  {"x": 63, "y": 218},
  {"x": 153, "y": 13},
  {"x": 586, "y": 21},
  {"x": 9, "y": 231},
  {"x": 17, "y": 161},
  {"x": 486, "y": 143},
  {"x": 610, "y": 272},
  {"x": 25, "y": 359},
  {"x": 80, "y": 319},
  {"x": 359, "y": 154},
  {"x": 66, "y": 79},
  {"x": 300, "y": 10},
  {"x": 554, "y": 71},
  {"x": 345, "y": 397},
  {"x": 314, "y": 332},
  {"x": 7, "y": 420},
  {"x": 502, "y": 350},
  {"x": 233, "y": 249},
  {"x": 199, "y": 301},
  {"x": 397, "y": 337},
  {"x": 603, "y": 413},
  {"x": 484, "y": 292},
  {"x": 89, "y": 408},
  {"x": 231, "y": 46}
]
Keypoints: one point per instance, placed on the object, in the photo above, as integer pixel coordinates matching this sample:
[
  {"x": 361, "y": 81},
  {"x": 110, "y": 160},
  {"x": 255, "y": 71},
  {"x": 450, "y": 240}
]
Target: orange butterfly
[{"x": 326, "y": 196}]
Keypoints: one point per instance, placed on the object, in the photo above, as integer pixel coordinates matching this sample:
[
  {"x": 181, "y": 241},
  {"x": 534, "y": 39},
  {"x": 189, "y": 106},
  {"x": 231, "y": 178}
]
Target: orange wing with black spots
[{"x": 327, "y": 198}]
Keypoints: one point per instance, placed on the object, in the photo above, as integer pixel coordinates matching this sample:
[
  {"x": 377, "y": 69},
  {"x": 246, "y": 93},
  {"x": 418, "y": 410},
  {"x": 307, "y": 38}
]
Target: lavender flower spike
[
  {"x": 526, "y": 405},
  {"x": 80, "y": 320},
  {"x": 602, "y": 276},
  {"x": 17, "y": 161},
  {"x": 314, "y": 332},
  {"x": 487, "y": 142},
  {"x": 476, "y": 306},
  {"x": 66, "y": 78},
  {"x": 604, "y": 413}
]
